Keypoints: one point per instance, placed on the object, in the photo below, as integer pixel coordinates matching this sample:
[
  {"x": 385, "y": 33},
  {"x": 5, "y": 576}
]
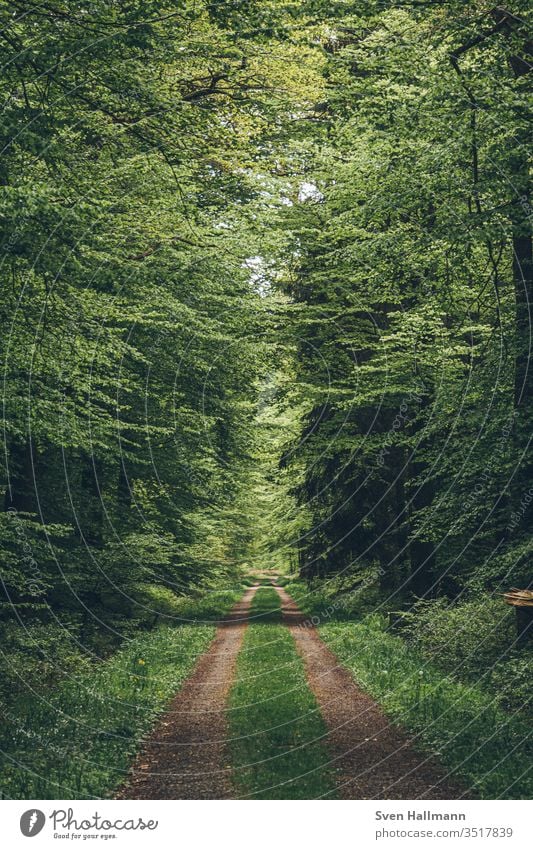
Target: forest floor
[
  {"x": 268, "y": 712},
  {"x": 184, "y": 756}
]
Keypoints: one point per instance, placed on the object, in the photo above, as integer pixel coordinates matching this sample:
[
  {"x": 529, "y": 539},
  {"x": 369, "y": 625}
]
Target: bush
[
  {"x": 512, "y": 678},
  {"x": 37, "y": 655},
  {"x": 347, "y": 597},
  {"x": 467, "y": 637},
  {"x": 474, "y": 641}
]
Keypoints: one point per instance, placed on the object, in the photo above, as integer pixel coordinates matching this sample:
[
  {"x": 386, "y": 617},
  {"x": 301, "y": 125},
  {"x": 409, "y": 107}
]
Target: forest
[{"x": 267, "y": 278}]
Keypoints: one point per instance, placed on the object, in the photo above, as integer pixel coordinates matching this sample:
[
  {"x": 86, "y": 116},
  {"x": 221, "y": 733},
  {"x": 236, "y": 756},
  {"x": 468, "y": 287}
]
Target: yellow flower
[{"x": 140, "y": 662}]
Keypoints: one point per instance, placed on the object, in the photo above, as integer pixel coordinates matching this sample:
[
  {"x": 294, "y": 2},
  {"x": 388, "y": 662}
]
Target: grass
[
  {"x": 78, "y": 740},
  {"x": 276, "y": 729},
  {"x": 490, "y": 749},
  {"x": 208, "y": 607}
]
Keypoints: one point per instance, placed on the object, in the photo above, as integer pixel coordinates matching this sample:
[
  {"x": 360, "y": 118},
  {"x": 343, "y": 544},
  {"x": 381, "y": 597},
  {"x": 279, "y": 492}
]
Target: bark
[{"x": 20, "y": 492}]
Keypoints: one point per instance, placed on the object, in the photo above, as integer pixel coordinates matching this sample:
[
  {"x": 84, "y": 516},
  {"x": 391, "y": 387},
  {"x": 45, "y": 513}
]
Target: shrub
[
  {"x": 466, "y": 637},
  {"x": 474, "y": 640}
]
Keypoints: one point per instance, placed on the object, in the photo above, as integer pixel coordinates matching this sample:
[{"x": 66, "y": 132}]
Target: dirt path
[
  {"x": 184, "y": 757},
  {"x": 374, "y": 759}
]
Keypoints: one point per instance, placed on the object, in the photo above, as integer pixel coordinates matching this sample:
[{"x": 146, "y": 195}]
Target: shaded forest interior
[{"x": 266, "y": 302}]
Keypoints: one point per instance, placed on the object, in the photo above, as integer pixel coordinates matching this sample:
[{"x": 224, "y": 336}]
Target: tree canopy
[{"x": 266, "y": 274}]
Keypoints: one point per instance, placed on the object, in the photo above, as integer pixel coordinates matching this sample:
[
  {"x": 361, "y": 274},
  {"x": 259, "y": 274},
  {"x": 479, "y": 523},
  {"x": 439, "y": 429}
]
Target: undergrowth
[
  {"x": 77, "y": 740},
  {"x": 490, "y": 749}
]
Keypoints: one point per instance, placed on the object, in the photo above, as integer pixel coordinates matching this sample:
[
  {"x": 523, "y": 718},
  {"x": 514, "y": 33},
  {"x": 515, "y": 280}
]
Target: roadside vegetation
[
  {"x": 277, "y": 735},
  {"x": 441, "y": 680},
  {"x": 489, "y": 749},
  {"x": 78, "y": 738}
]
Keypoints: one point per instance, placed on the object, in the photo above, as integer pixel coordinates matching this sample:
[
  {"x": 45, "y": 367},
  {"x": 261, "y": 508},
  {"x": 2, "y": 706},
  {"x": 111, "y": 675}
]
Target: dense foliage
[
  {"x": 413, "y": 264},
  {"x": 132, "y": 334},
  {"x": 266, "y": 285}
]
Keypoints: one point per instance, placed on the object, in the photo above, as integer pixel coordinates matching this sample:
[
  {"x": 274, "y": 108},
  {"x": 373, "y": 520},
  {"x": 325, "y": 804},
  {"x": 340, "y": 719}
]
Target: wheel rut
[
  {"x": 184, "y": 757},
  {"x": 373, "y": 758}
]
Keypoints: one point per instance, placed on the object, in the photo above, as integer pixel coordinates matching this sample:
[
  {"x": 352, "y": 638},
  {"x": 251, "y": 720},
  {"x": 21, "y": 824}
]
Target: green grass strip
[
  {"x": 276, "y": 728},
  {"x": 490, "y": 749},
  {"x": 77, "y": 741}
]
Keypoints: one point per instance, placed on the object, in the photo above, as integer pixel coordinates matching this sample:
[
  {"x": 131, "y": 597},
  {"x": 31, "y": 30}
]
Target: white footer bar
[{"x": 267, "y": 825}]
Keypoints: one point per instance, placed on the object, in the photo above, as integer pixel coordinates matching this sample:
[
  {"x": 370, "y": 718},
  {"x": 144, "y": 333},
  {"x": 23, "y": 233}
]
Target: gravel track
[
  {"x": 184, "y": 756},
  {"x": 373, "y": 759}
]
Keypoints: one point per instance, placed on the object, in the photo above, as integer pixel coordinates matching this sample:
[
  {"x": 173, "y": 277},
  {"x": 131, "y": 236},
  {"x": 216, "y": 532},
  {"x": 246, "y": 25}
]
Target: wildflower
[{"x": 140, "y": 662}]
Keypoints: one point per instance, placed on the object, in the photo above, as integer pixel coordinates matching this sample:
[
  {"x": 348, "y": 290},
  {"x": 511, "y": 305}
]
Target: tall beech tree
[
  {"x": 136, "y": 138},
  {"x": 413, "y": 270},
  {"x": 266, "y": 277}
]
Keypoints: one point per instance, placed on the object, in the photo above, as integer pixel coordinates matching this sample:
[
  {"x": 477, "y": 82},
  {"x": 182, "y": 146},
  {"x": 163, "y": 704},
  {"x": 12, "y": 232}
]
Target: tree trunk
[
  {"x": 91, "y": 519},
  {"x": 20, "y": 492}
]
